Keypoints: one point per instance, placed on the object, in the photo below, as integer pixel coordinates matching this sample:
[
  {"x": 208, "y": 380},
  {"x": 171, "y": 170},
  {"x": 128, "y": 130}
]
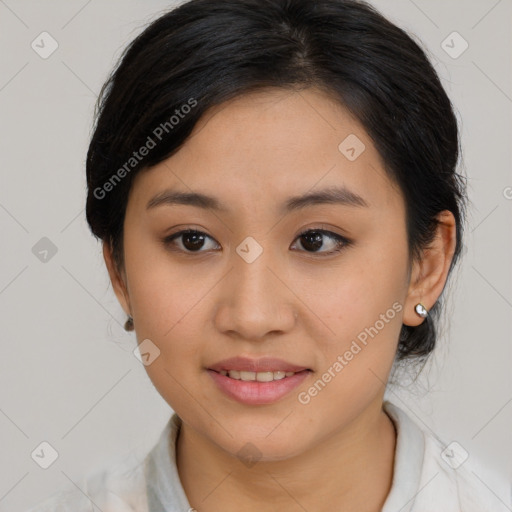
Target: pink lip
[
  {"x": 264, "y": 364},
  {"x": 257, "y": 393}
]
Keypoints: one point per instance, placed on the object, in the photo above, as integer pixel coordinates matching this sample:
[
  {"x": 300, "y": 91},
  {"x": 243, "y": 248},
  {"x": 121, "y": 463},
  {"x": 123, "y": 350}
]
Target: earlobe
[
  {"x": 117, "y": 281},
  {"x": 429, "y": 275}
]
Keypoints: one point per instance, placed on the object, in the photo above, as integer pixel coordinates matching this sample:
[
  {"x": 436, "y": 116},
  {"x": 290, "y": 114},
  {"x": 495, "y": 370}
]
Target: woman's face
[{"x": 249, "y": 285}]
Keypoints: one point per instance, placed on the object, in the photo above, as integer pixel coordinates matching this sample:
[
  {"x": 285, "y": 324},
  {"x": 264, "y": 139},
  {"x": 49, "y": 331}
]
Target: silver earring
[{"x": 421, "y": 310}]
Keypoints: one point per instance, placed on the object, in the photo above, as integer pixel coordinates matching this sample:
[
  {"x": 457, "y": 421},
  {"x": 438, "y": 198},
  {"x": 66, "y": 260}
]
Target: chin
[{"x": 252, "y": 449}]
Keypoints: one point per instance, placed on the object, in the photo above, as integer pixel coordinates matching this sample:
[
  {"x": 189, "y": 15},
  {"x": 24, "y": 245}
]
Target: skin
[{"x": 253, "y": 153}]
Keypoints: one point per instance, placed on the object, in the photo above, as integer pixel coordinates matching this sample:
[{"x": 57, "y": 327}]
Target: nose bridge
[
  {"x": 258, "y": 301},
  {"x": 253, "y": 278}
]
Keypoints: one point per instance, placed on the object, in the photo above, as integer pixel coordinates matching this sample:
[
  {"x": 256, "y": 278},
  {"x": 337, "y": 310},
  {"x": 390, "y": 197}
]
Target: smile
[
  {"x": 257, "y": 388},
  {"x": 256, "y": 376}
]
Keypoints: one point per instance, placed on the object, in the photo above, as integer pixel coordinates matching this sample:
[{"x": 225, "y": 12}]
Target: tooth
[{"x": 256, "y": 376}]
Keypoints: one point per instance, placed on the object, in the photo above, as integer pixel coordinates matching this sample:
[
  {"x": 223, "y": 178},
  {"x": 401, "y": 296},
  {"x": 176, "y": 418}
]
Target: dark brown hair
[{"x": 205, "y": 52}]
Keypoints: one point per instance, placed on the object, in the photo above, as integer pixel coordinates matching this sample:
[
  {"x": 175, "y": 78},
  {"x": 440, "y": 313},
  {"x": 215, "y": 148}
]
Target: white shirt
[{"x": 427, "y": 477}]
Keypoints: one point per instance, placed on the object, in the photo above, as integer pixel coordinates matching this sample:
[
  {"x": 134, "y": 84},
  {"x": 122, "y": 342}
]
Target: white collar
[{"x": 165, "y": 492}]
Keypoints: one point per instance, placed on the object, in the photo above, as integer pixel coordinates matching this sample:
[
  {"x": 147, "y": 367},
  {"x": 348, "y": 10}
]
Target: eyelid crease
[{"x": 342, "y": 241}]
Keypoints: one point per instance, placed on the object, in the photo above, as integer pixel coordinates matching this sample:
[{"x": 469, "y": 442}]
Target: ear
[
  {"x": 118, "y": 282},
  {"x": 429, "y": 275}
]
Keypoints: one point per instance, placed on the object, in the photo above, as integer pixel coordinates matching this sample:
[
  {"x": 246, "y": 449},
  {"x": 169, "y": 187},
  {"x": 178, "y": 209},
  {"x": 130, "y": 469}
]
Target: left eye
[
  {"x": 313, "y": 238},
  {"x": 192, "y": 241}
]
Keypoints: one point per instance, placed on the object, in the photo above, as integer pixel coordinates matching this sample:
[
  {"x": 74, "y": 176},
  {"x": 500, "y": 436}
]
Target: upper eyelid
[
  {"x": 193, "y": 230},
  {"x": 325, "y": 231}
]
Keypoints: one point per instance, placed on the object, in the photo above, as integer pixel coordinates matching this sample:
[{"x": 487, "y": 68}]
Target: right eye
[{"x": 190, "y": 241}]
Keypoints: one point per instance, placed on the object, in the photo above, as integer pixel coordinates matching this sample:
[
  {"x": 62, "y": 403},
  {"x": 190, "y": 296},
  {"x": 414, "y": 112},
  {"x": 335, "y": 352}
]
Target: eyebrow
[{"x": 332, "y": 195}]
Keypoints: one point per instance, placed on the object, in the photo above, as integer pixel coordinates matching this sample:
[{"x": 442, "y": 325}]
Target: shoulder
[
  {"x": 119, "y": 488},
  {"x": 450, "y": 472},
  {"x": 436, "y": 475}
]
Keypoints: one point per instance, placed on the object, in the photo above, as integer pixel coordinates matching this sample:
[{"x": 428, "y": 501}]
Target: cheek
[
  {"x": 361, "y": 307},
  {"x": 356, "y": 294},
  {"x": 357, "y": 356},
  {"x": 161, "y": 292},
  {"x": 169, "y": 309}
]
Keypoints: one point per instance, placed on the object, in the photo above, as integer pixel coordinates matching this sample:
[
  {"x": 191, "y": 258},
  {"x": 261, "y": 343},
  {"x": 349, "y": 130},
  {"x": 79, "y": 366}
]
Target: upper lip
[{"x": 264, "y": 364}]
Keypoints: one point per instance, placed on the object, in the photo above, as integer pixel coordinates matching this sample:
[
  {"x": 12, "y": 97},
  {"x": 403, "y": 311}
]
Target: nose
[{"x": 255, "y": 300}]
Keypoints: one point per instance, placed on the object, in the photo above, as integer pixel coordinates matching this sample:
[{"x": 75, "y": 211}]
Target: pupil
[
  {"x": 194, "y": 241},
  {"x": 314, "y": 240},
  {"x": 196, "y": 238}
]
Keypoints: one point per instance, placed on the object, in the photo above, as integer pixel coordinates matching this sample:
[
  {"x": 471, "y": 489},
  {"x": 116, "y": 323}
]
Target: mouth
[
  {"x": 246, "y": 368},
  {"x": 266, "y": 376},
  {"x": 257, "y": 381}
]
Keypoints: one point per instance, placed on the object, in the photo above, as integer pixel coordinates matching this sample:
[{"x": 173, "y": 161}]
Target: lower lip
[{"x": 257, "y": 393}]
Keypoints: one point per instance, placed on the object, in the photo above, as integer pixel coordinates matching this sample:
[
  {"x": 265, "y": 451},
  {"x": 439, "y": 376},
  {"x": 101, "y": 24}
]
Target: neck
[{"x": 352, "y": 468}]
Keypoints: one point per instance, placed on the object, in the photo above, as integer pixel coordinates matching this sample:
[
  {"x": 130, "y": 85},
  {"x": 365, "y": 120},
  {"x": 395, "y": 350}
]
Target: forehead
[{"x": 265, "y": 147}]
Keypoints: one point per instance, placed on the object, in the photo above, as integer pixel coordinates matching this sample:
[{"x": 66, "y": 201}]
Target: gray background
[{"x": 67, "y": 372}]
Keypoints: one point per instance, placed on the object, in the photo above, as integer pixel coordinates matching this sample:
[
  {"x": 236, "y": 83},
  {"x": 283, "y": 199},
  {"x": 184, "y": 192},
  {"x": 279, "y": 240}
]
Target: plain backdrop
[{"x": 67, "y": 372}]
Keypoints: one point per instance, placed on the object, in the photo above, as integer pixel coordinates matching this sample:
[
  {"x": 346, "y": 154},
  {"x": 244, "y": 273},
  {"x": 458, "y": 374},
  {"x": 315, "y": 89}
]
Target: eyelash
[{"x": 342, "y": 242}]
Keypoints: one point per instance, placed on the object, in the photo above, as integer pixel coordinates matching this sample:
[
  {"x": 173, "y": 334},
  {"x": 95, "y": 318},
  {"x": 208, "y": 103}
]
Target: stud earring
[
  {"x": 421, "y": 310},
  {"x": 128, "y": 325}
]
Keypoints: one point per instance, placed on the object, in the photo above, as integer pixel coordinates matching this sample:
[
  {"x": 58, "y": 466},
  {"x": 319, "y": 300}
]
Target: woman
[{"x": 274, "y": 183}]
